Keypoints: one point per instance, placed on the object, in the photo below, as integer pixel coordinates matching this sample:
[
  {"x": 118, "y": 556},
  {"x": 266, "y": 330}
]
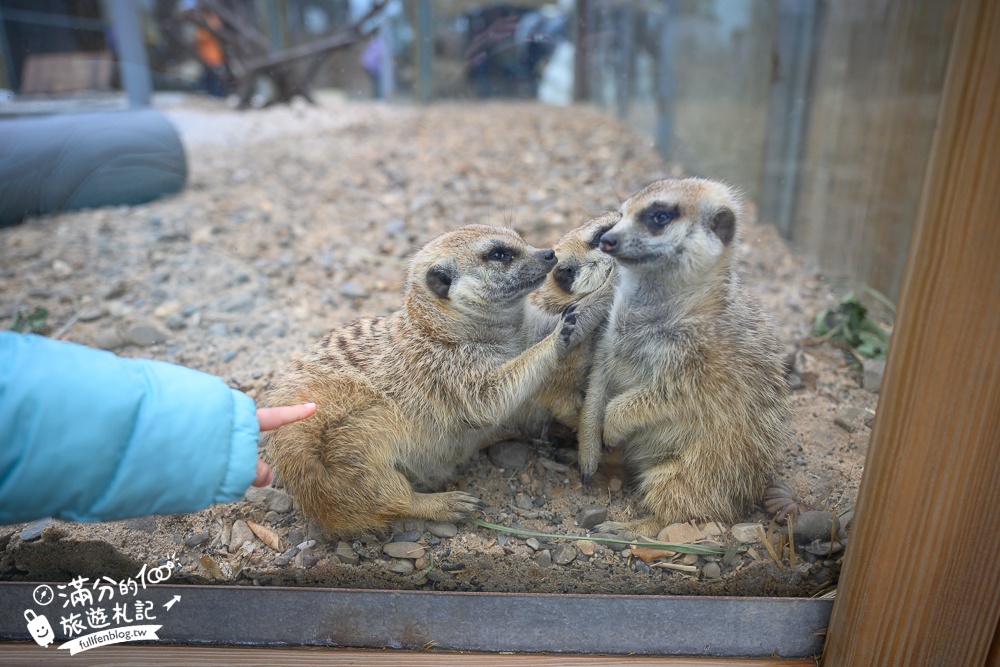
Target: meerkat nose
[
  {"x": 609, "y": 243},
  {"x": 549, "y": 255}
]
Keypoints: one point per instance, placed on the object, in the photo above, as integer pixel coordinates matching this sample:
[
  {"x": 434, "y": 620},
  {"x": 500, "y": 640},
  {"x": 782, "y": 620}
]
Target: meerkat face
[
  {"x": 682, "y": 225},
  {"x": 479, "y": 268},
  {"x": 581, "y": 267}
]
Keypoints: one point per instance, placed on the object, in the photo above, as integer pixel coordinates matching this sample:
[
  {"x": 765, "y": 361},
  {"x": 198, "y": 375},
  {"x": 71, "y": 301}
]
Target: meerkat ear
[
  {"x": 723, "y": 225},
  {"x": 439, "y": 279}
]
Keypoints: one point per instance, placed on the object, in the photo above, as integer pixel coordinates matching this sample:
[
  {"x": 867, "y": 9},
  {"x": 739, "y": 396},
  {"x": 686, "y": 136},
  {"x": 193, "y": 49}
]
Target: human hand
[{"x": 272, "y": 418}]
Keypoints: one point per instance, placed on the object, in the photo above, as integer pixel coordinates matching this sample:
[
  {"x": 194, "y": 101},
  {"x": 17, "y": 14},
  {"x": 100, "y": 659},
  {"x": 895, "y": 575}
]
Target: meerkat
[
  {"x": 582, "y": 274},
  {"x": 688, "y": 379},
  {"x": 401, "y": 401}
]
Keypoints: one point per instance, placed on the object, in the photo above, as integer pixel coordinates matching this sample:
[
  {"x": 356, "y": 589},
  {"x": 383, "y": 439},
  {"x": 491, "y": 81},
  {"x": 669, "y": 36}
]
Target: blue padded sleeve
[{"x": 89, "y": 436}]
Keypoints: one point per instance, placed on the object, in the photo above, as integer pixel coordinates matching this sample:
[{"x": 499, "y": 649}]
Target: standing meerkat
[
  {"x": 688, "y": 379},
  {"x": 401, "y": 401},
  {"x": 582, "y": 274}
]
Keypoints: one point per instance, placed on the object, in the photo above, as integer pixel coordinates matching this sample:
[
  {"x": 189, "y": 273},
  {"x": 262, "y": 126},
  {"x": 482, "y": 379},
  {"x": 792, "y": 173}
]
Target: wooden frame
[{"x": 921, "y": 583}]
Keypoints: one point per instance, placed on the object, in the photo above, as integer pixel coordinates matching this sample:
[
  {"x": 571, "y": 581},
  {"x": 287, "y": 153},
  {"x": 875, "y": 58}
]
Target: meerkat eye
[
  {"x": 501, "y": 254},
  {"x": 661, "y": 217}
]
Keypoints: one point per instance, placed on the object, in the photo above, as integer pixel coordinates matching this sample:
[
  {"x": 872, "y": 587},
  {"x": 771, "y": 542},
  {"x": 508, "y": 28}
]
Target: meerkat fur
[
  {"x": 688, "y": 380},
  {"x": 584, "y": 275},
  {"x": 401, "y": 401}
]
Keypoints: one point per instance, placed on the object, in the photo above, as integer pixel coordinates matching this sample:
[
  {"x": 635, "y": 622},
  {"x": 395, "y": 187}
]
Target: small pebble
[
  {"x": 614, "y": 546},
  {"x": 533, "y": 543},
  {"x": 91, "y": 314},
  {"x": 404, "y": 550},
  {"x": 564, "y": 554},
  {"x": 346, "y": 554},
  {"x": 115, "y": 290},
  {"x": 305, "y": 560},
  {"x": 176, "y": 322},
  {"x": 587, "y": 547},
  {"x": 144, "y": 335},
  {"x": 687, "y": 559},
  {"x": 352, "y": 290},
  {"x": 269, "y": 498},
  {"x": 509, "y": 455},
  {"x": 239, "y": 534},
  {"x": 746, "y": 532},
  {"x": 196, "y": 539},
  {"x": 874, "y": 370},
  {"x": 821, "y": 548},
  {"x": 418, "y": 525},
  {"x": 402, "y": 566},
  {"x": 34, "y": 529},
  {"x": 711, "y": 571},
  {"x": 407, "y": 536},
  {"x": 544, "y": 558},
  {"x": 109, "y": 339},
  {"x": 591, "y": 515},
  {"x": 394, "y": 226},
  {"x": 713, "y": 529},
  {"x": 679, "y": 533},
  {"x": 814, "y": 525},
  {"x": 442, "y": 529},
  {"x": 850, "y": 419},
  {"x": 284, "y": 558}
]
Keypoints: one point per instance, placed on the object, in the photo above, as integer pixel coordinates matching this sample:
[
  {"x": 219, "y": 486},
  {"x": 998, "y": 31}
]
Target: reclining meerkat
[
  {"x": 582, "y": 274},
  {"x": 688, "y": 378},
  {"x": 401, "y": 401}
]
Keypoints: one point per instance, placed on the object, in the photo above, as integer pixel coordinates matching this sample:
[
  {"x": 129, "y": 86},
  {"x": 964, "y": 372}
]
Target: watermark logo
[{"x": 102, "y": 612}]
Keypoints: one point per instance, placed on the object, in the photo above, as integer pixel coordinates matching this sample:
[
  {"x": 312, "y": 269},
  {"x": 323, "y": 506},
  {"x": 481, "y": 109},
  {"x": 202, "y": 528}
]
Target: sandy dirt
[{"x": 297, "y": 220}]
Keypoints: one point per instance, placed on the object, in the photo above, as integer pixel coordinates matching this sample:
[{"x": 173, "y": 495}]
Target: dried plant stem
[{"x": 698, "y": 549}]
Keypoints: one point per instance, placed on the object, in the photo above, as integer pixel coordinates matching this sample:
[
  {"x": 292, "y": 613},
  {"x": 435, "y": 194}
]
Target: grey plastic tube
[{"x": 58, "y": 163}]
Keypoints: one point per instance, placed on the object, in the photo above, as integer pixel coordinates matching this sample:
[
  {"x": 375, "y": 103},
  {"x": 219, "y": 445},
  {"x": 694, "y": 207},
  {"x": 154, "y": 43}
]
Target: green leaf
[
  {"x": 32, "y": 323},
  {"x": 872, "y": 345},
  {"x": 849, "y": 324}
]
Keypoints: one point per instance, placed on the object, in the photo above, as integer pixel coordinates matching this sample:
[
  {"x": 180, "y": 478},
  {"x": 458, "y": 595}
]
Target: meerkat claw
[
  {"x": 568, "y": 324},
  {"x": 614, "y": 527},
  {"x": 585, "y": 480}
]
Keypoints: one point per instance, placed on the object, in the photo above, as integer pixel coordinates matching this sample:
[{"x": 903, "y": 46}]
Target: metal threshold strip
[{"x": 486, "y": 622}]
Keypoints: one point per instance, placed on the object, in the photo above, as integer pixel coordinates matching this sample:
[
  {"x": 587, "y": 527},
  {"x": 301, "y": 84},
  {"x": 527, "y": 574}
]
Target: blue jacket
[{"x": 89, "y": 436}]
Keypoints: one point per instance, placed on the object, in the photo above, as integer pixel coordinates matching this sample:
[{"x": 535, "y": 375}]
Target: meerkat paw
[
  {"x": 568, "y": 325},
  {"x": 588, "y": 466},
  {"x": 648, "y": 527},
  {"x": 614, "y": 527},
  {"x": 464, "y": 504}
]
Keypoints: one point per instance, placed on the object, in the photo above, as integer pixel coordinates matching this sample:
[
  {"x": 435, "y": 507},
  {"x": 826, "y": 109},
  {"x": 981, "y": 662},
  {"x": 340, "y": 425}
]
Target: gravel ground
[{"x": 296, "y": 220}]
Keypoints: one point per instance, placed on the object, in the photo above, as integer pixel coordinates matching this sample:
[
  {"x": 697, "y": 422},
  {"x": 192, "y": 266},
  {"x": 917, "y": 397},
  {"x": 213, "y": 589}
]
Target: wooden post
[{"x": 921, "y": 582}]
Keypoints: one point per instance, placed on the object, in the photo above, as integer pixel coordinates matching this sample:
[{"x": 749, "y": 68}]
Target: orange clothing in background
[{"x": 207, "y": 46}]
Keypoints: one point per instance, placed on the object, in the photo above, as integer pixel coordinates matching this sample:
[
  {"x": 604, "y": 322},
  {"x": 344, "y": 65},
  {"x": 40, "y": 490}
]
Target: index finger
[{"x": 272, "y": 418}]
